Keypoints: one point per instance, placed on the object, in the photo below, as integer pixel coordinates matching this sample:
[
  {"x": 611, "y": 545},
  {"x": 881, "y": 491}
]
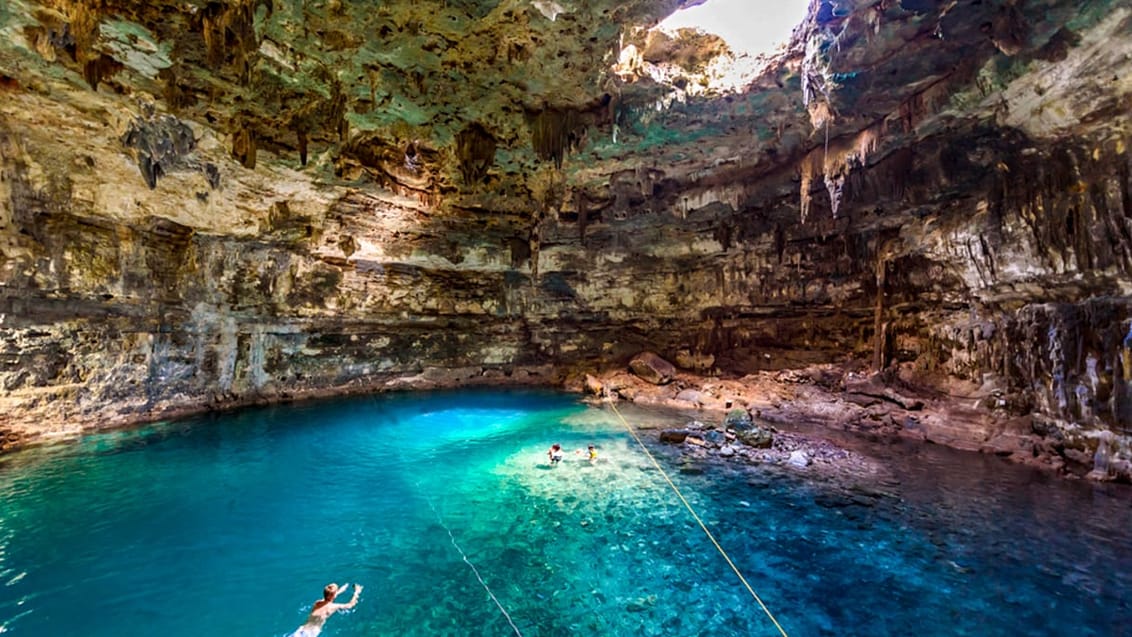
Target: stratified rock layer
[{"x": 211, "y": 204}]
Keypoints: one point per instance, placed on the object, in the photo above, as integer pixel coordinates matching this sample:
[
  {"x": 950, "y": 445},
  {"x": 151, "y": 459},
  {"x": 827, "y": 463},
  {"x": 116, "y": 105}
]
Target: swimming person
[
  {"x": 326, "y": 607},
  {"x": 555, "y": 454},
  {"x": 592, "y": 453}
]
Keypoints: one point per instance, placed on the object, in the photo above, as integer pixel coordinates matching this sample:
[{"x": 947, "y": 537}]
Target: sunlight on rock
[{"x": 751, "y": 34}]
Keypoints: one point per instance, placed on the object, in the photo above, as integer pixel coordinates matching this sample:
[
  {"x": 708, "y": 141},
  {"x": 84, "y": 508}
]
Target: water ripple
[{"x": 232, "y": 525}]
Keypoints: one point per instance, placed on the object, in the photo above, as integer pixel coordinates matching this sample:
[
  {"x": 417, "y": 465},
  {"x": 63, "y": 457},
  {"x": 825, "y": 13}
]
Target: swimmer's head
[{"x": 329, "y": 592}]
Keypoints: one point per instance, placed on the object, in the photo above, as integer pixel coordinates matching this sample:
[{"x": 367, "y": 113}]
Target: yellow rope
[{"x": 703, "y": 526}]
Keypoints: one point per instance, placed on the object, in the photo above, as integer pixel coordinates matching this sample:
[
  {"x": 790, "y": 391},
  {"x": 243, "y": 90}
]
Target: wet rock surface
[
  {"x": 791, "y": 419},
  {"x": 822, "y": 458}
]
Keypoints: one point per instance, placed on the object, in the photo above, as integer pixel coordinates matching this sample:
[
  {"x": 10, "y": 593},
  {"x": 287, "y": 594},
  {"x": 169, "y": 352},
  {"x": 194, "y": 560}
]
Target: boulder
[
  {"x": 757, "y": 437},
  {"x": 738, "y": 420},
  {"x": 799, "y": 458},
  {"x": 593, "y": 385},
  {"x": 693, "y": 396},
  {"x": 696, "y": 361},
  {"x": 652, "y": 368},
  {"x": 673, "y": 436}
]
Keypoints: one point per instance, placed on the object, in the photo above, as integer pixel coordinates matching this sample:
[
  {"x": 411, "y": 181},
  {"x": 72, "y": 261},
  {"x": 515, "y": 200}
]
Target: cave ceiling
[{"x": 529, "y": 107}]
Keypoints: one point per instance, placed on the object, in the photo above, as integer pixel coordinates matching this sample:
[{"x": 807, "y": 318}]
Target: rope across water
[
  {"x": 474, "y": 569},
  {"x": 699, "y": 521},
  {"x": 679, "y": 495}
]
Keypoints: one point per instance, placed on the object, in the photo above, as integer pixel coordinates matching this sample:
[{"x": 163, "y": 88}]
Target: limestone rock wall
[
  {"x": 108, "y": 320},
  {"x": 211, "y": 204}
]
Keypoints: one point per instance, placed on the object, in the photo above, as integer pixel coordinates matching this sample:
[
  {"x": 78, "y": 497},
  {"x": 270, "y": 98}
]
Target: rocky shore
[
  {"x": 751, "y": 419},
  {"x": 747, "y": 412}
]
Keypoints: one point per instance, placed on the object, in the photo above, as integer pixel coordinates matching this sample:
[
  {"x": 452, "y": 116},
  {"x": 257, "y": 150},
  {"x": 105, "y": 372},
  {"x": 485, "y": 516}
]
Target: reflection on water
[{"x": 231, "y": 525}]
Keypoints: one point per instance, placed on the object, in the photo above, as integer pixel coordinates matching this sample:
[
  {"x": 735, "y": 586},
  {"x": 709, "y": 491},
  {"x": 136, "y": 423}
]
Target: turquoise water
[{"x": 232, "y": 524}]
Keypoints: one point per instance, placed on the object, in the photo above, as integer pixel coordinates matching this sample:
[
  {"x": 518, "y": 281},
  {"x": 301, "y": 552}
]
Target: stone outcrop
[
  {"x": 212, "y": 204},
  {"x": 652, "y": 368}
]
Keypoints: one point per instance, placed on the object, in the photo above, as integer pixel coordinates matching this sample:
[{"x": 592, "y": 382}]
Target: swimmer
[
  {"x": 554, "y": 453},
  {"x": 326, "y": 607},
  {"x": 593, "y": 454}
]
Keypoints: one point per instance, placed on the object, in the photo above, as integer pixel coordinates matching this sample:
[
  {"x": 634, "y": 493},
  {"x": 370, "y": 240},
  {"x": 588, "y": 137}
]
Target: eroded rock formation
[{"x": 206, "y": 204}]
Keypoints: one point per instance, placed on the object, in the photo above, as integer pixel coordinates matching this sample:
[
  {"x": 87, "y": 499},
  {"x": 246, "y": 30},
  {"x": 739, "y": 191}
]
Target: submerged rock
[
  {"x": 714, "y": 436},
  {"x": 641, "y": 604}
]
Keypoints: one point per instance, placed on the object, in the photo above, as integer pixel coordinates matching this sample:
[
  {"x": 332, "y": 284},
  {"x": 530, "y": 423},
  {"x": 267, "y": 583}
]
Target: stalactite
[
  {"x": 244, "y": 146},
  {"x": 535, "y": 245},
  {"x": 1122, "y": 383},
  {"x": 554, "y": 133},
  {"x": 879, "y": 325},
  {"x": 99, "y": 68},
  {"x": 229, "y": 34},
  {"x": 821, "y": 114},
  {"x": 1009, "y": 29},
  {"x": 924, "y": 104},
  {"x": 85, "y": 17},
  {"x": 834, "y": 162},
  {"x": 475, "y": 150},
  {"x": 336, "y": 117},
  {"x": 213, "y": 35},
  {"x": 807, "y": 181},
  {"x": 302, "y": 135},
  {"x": 581, "y": 205},
  {"x": 79, "y": 35},
  {"x": 175, "y": 96}
]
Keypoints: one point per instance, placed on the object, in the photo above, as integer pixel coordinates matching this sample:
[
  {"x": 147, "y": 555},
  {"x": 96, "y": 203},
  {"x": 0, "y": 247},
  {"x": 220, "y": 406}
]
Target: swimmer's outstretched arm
[{"x": 354, "y": 600}]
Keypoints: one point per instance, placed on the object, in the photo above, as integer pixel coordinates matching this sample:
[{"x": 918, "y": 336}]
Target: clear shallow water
[{"x": 231, "y": 525}]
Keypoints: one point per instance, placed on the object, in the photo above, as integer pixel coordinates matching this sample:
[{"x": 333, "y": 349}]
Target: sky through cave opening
[{"x": 750, "y": 28}]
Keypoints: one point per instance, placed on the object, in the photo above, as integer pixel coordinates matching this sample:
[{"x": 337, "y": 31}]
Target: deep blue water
[{"x": 231, "y": 525}]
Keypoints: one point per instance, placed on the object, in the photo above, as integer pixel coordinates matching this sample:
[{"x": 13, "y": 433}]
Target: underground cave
[{"x": 828, "y": 283}]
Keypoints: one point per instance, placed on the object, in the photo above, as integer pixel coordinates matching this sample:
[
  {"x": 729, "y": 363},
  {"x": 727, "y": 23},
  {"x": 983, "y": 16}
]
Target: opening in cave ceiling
[
  {"x": 749, "y": 28},
  {"x": 753, "y": 31}
]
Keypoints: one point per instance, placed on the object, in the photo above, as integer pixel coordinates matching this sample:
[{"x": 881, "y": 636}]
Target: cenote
[{"x": 231, "y": 525}]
